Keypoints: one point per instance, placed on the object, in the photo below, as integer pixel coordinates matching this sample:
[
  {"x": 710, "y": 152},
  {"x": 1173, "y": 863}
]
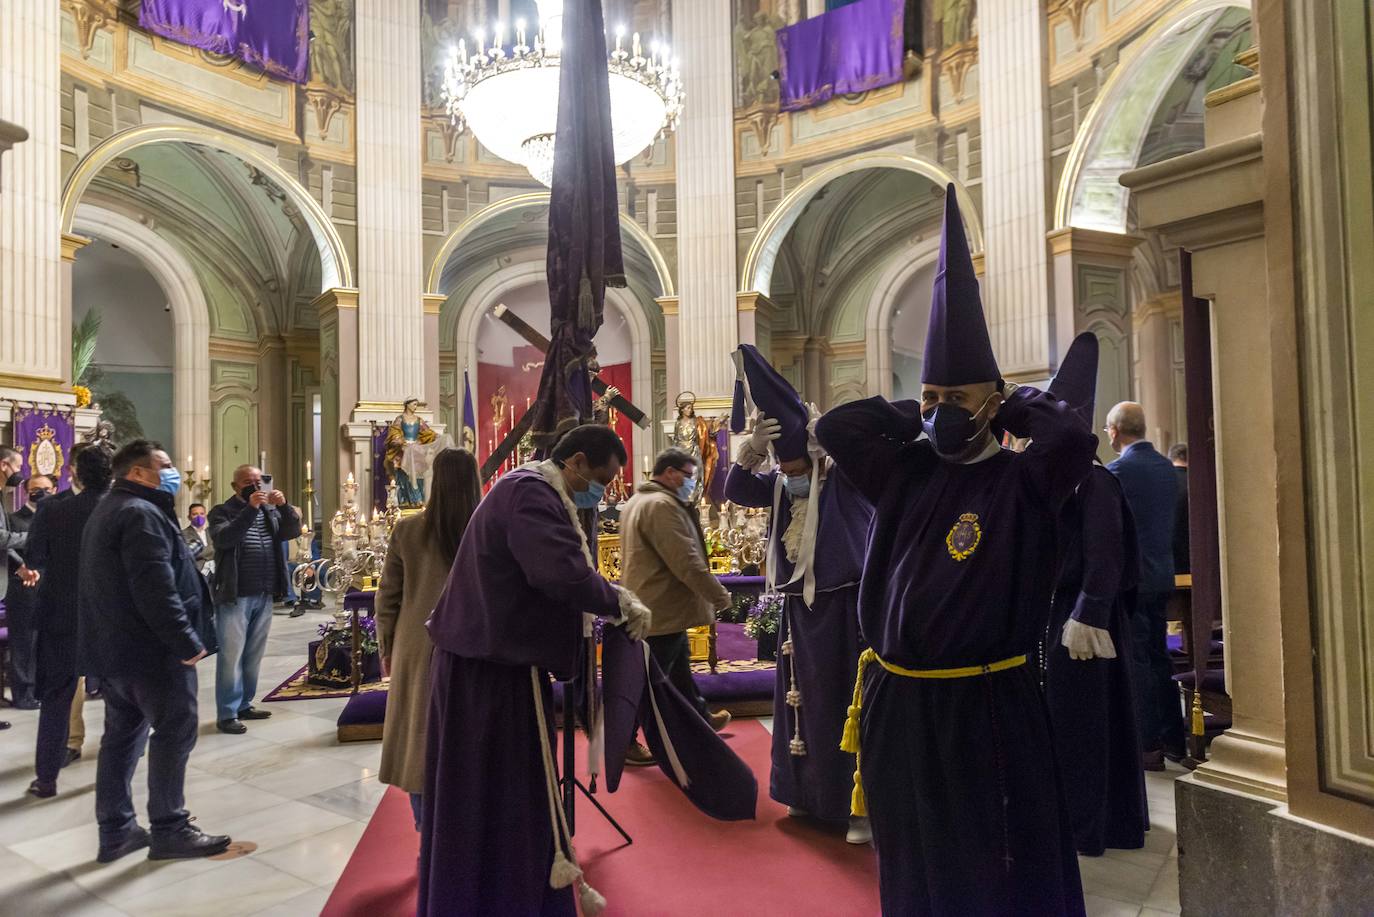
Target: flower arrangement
[
  {"x": 763, "y": 616},
  {"x": 83, "y": 396},
  {"x": 338, "y": 632}
]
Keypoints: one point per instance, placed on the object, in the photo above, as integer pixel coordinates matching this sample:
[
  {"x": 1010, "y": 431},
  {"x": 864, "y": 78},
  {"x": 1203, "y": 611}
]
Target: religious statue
[
  {"x": 756, "y": 59},
  {"x": 410, "y": 449},
  {"x": 499, "y": 403},
  {"x": 331, "y": 51},
  {"x": 697, "y": 437},
  {"x": 102, "y": 435},
  {"x": 956, "y": 21}
]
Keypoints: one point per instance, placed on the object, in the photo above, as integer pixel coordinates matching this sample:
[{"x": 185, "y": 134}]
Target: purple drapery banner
[
  {"x": 851, "y": 49},
  {"x": 273, "y": 35},
  {"x": 45, "y": 438}
]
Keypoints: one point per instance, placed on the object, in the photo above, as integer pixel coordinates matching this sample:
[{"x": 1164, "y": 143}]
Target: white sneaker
[
  {"x": 797, "y": 813},
  {"x": 859, "y": 831}
]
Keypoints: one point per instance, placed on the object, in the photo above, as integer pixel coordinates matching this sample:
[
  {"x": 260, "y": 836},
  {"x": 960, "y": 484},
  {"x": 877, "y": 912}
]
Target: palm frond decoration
[{"x": 84, "y": 336}]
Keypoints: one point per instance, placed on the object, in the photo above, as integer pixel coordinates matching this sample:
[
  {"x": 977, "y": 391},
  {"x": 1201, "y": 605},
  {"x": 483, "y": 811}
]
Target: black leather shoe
[
  {"x": 296, "y": 611},
  {"x": 233, "y": 727},
  {"x": 137, "y": 840},
  {"x": 73, "y": 754},
  {"x": 25, "y": 703},
  {"x": 254, "y": 713},
  {"x": 187, "y": 843},
  {"x": 42, "y": 790},
  {"x": 4, "y": 725}
]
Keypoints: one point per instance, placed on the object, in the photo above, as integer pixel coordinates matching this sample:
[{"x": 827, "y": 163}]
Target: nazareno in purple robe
[
  {"x": 825, "y": 643},
  {"x": 1091, "y": 708},
  {"x": 959, "y": 773},
  {"x": 514, "y": 600}
]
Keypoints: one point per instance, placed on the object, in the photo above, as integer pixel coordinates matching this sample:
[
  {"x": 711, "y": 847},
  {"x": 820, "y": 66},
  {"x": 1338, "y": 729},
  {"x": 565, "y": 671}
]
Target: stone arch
[
  {"x": 190, "y": 319},
  {"x": 1089, "y": 195},
  {"x": 878, "y": 321},
  {"x": 335, "y": 267},
  {"x": 465, "y": 229},
  {"x": 757, "y": 270}
]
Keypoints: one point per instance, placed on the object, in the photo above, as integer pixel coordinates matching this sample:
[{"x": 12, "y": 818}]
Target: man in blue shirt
[{"x": 1151, "y": 487}]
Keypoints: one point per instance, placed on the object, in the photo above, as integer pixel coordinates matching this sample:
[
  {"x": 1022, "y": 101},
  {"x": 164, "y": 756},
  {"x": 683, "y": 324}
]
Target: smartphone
[{"x": 265, "y": 484}]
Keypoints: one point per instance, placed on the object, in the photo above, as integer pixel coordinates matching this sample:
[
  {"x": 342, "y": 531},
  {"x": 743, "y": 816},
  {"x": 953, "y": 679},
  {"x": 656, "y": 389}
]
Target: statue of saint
[
  {"x": 410, "y": 449},
  {"x": 696, "y": 436}
]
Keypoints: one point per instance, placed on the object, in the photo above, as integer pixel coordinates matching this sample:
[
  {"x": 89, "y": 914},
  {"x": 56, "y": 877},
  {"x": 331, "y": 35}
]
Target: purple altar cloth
[{"x": 851, "y": 49}]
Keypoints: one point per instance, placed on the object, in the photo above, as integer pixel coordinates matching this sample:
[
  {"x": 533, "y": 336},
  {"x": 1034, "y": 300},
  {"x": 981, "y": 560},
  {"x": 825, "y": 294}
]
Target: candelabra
[{"x": 198, "y": 490}]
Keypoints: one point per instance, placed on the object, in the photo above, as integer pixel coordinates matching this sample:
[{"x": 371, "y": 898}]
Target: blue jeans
[
  {"x": 165, "y": 702},
  {"x": 242, "y": 630}
]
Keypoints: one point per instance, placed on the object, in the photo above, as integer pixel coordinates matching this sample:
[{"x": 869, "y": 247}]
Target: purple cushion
[
  {"x": 1214, "y": 647},
  {"x": 364, "y": 709},
  {"x": 363, "y": 601}
]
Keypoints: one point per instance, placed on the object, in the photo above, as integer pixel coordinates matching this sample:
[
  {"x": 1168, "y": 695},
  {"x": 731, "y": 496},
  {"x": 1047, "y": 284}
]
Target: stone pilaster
[
  {"x": 390, "y": 243},
  {"x": 705, "y": 182},
  {"x": 338, "y": 312},
  {"x": 433, "y": 305},
  {"x": 33, "y": 338},
  {"x": 672, "y": 350},
  {"x": 1011, "y": 68}
]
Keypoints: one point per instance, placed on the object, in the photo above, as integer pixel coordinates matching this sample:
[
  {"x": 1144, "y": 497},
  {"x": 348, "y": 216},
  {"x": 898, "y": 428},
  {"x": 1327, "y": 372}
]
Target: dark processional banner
[{"x": 271, "y": 34}]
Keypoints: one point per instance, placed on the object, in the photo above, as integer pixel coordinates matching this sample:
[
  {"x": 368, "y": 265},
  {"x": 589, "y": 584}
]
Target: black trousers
[
  {"x": 54, "y": 718},
  {"x": 1159, "y": 712},
  {"x": 673, "y": 654},
  {"x": 163, "y": 701},
  {"x": 21, "y": 613}
]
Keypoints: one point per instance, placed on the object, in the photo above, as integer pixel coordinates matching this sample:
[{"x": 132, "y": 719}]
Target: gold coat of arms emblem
[{"x": 964, "y": 537}]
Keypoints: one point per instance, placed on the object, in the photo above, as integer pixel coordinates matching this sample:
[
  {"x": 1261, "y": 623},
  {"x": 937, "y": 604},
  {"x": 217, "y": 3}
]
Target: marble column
[
  {"x": 1011, "y": 79},
  {"x": 433, "y": 305},
  {"x": 71, "y": 244},
  {"x": 672, "y": 352},
  {"x": 338, "y": 312},
  {"x": 707, "y": 323},
  {"x": 391, "y": 324},
  {"x": 32, "y": 336}
]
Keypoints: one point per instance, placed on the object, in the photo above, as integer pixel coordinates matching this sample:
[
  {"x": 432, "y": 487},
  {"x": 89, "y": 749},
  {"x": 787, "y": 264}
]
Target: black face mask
[
  {"x": 14, "y": 480},
  {"x": 951, "y": 429},
  {"x": 248, "y": 492},
  {"x": 37, "y": 495}
]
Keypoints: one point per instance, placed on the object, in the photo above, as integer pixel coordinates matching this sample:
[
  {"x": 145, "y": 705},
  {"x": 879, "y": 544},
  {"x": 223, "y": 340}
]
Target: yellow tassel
[
  {"x": 850, "y": 741},
  {"x": 858, "y": 804},
  {"x": 1199, "y": 728}
]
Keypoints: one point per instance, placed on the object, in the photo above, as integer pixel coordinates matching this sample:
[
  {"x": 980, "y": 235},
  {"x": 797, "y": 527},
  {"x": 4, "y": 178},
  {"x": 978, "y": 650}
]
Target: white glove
[
  {"x": 635, "y": 616},
  {"x": 753, "y": 452},
  {"x": 1086, "y": 642}
]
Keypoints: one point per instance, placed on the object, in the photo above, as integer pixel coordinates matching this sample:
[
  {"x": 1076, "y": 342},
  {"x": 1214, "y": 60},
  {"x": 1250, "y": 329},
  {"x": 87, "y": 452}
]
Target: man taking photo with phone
[{"x": 247, "y": 532}]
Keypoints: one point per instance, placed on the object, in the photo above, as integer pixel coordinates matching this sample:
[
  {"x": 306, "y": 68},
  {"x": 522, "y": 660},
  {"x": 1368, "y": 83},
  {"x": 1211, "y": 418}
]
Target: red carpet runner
[{"x": 681, "y": 863}]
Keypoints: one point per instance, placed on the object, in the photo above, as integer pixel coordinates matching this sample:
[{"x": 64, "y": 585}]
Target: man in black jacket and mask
[
  {"x": 250, "y": 570},
  {"x": 143, "y": 628}
]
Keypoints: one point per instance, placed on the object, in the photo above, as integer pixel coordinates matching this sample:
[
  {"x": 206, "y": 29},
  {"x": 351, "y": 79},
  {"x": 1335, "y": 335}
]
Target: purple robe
[
  {"x": 1090, "y": 702},
  {"x": 959, "y": 773},
  {"x": 825, "y": 644},
  {"x": 514, "y": 600}
]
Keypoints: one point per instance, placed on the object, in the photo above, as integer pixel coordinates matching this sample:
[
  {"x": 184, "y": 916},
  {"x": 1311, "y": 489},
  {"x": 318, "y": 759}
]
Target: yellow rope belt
[{"x": 850, "y": 743}]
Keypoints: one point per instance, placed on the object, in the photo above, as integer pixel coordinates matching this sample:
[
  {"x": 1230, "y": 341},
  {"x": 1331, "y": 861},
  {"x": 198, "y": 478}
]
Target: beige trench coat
[
  {"x": 664, "y": 564},
  {"x": 412, "y": 580}
]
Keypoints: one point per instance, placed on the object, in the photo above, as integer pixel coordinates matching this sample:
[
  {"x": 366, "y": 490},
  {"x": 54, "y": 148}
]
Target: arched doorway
[
  {"x": 497, "y": 256},
  {"x": 240, "y": 251}
]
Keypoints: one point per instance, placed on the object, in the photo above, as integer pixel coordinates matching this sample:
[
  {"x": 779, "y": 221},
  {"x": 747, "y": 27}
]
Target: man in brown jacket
[{"x": 664, "y": 564}]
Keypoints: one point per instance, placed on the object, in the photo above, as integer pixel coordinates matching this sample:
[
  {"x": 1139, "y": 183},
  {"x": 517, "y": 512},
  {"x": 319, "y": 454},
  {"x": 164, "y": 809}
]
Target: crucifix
[{"x": 521, "y": 427}]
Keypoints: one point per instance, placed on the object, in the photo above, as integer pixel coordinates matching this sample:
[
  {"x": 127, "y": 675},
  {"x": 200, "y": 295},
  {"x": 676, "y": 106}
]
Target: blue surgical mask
[
  {"x": 169, "y": 481},
  {"x": 591, "y": 497},
  {"x": 798, "y": 486},
  {"x": 686, "y": 489}
]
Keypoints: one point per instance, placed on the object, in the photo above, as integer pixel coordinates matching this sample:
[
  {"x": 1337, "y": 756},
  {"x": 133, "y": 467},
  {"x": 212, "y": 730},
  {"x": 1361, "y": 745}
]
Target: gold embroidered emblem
[{"x": 964, "y": 537}]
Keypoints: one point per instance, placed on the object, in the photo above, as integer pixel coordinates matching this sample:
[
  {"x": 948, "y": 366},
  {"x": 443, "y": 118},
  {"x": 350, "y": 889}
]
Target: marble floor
[{"x": 304, "y": 800}]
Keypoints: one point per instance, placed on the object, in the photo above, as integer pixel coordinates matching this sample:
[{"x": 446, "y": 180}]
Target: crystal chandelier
[{"x": 508, "y": 96}]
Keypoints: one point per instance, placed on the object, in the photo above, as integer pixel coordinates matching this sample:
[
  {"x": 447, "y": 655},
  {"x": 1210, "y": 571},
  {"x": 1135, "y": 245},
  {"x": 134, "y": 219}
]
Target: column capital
[
  {"x": 1093, "y": 244},
  {"x": 669, "y": 304},
  {"x": 754, "y": 301},
  {"x": 71, "y": 244},
  {"x": 434, "y": 302},
  {"x": 334, "y": 299}
]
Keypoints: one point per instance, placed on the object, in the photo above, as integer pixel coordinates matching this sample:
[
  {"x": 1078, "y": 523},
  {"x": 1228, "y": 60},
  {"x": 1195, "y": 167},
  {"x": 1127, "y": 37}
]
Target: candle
[
  {"x": 619, "y": 34},
  {"x": 481, "y": 42},
  {"x": 307, "y": 469},
  {"x": 512, "y": 417},
  {"x": 190, "y": 463},
  {"x": 634, "y": 44},
  {"x": 646, "y": 466},
  {"x": 207, "y": 472},
  {"x": 262, "y": 460},
  {"x": 520, "y": 32},
  {"x": 462, "y": 52},
  {"x": 498, "y": 39},
  {"x": 527, "y": 402}
]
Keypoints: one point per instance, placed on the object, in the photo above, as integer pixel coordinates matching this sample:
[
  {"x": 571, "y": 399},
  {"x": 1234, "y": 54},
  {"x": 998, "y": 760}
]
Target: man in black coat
[
  {"x": 54, "y": 549},
  {"x": 140, "y": 602},
  {"x": 21, "y": 601},
  {"x": 249, "y": 531},
  {"x": 1151, "y": 487}
]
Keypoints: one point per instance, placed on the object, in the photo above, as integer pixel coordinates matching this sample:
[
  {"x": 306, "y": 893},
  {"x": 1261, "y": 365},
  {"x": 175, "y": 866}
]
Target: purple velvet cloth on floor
[
  {"x": 486, "y": 838},
  {"x": 855, "y": 48},
  {"x": 364, "y": 709},
  {"x": 719, "y": 783}
]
